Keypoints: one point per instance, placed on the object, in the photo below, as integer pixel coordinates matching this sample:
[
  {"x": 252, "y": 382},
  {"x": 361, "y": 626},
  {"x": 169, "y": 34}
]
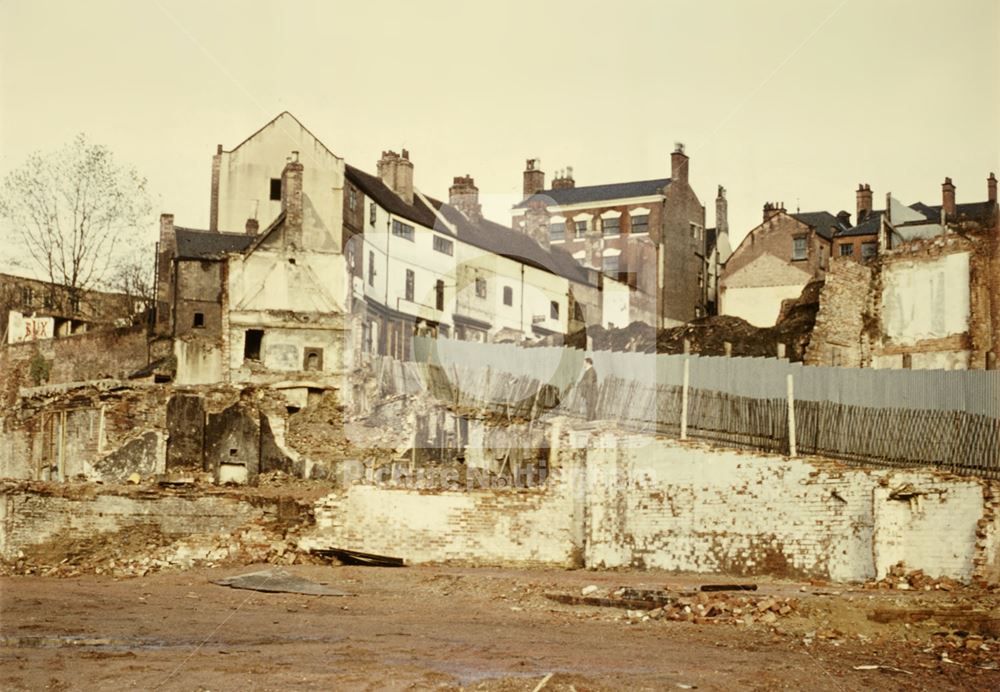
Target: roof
[
  {"x": 600, "y": 193},
  {"x": 869, "y": 226},
  {"x": 197, "y": 244},
  {"x": 485, "y": 234},
  {"x": 825, "y": 223}
]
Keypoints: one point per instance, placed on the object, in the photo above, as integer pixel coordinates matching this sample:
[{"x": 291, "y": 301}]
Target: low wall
[{"x": 615, "y": 501}]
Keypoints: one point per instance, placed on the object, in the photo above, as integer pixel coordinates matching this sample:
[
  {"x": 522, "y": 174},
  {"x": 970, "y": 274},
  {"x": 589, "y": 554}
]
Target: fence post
[
  {"x": 684, "y": 400},
  {"x": 792, "y": 451}
]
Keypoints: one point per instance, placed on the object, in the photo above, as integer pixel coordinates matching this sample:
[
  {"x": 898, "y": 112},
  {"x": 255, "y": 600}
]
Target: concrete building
[
  {"x": 648, "y": 234},
  {"x": 775, "y": 261}
]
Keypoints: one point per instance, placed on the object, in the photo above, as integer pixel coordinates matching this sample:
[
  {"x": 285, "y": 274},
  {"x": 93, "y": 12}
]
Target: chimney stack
[
  {"x": 536, "y": 222},
  {"x": 213, "y": 211},
  {"x": 948, "y": 197},
  {"x": 864, "y": 195},
  {"x": 721, "y": 212},
  {"x": 678, "y": 164},
  {"x": 167, "y": 248},
  {"x": 291, "y": 200},
  {"x": 991, "y": 188},
  {"x": 464, "y": 196},
  {"x": 396, "y": 172},
  {"x": 564, "y": 179},
  {"x": 772, "y": 209},
  {"x": 252, "y": 227},
  {"x": 534, "y": 177}
]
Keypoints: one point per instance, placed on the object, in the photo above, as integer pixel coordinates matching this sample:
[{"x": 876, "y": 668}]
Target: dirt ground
[{"x": 457, "y": 628}]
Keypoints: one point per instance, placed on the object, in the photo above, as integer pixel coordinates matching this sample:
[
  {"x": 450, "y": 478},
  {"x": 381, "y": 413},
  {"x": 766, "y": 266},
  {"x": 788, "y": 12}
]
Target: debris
[
  {"x": 278, "y": 580},
  {"x": 543, "y": 683},
  {"x": 587, "y": 590},
  {"x": 135, "y": 479},
  {"x": 891, "y": 669},
  {"x": 353, "y": 557},
  {"x": 728, "y": 587},
  {"x": 630, "y": 604}
]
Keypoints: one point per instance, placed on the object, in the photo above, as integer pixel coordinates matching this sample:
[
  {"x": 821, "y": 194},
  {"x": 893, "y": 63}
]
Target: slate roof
[
  {"x": 825, "y": 223},
  {"x": 193, "y": 243},
  {"x": 484, "y": 234},
  {"x": 972, "y": 211},
  {"x": 869, "y": 226},
  {"x": 599, "y": 193}
]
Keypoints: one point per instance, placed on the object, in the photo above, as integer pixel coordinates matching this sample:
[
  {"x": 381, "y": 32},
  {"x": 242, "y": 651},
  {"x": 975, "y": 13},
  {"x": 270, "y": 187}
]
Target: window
[
  {"x": 799, "y": 249},
  {"x": 609, "y": 265},
  {"x": 199, "y": 320},
  {"x": 26, "y": 296},
  {"x": 869, "y": 250},
  {"x": 371, "y": 213},
  {"x": 907, "y": 361},
  {"x": 480, "y": 287},
  {"x": 74, "y": 303},
  {"x": 554, "y": 310},
  {"x": 403, "y": 230},
  {"x": 696, "y": 231},
  {"x": 275, "y": 189},
  {"x": 557, "y": 231},
  {"x": 846, "y": 249},
  {"x": 371, "y": 267},
  {"x": 640, "y": 223},
  {"x": 409, "y": 284},
  {"x": 581, "y": 228},
  {"x": 439, "y": 294},
  {"x": 312, "y": 359},
  {"x": 352, "y": 198},
  {"x": 444, "y": 245},
  {"x": 252, "y": 339},
  {"x": 508, "y": 295},
  {"x": 612, "y": 226}
]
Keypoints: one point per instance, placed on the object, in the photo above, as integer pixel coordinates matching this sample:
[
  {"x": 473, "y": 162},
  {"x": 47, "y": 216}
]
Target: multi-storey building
[{"x": 648, "y": 234}]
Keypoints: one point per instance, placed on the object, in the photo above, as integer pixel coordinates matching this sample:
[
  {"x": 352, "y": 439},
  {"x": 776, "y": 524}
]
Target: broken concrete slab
[{"x": 279, "y": 581}]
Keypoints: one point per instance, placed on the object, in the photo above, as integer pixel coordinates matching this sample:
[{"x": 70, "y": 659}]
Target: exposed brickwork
[{"x": 838, "y": 336}]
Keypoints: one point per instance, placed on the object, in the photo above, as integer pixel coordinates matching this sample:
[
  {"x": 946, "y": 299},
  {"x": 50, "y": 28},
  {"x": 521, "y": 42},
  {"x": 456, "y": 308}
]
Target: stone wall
[{"x": 617, "y": 501}]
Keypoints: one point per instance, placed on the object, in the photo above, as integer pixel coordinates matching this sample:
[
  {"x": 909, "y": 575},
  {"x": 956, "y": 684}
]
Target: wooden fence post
[
  {"x": 684, "y": 399},
  {"x": 791, "y": 417}
]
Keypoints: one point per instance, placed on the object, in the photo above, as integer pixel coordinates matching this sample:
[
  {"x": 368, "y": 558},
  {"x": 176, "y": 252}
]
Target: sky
[{"x": 787, "y": 101}]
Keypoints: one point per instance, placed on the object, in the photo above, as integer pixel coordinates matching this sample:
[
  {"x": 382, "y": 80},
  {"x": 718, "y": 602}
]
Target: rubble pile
[
  {"x": 960, "y": 647},
  {"x": 709, "y": 335},
  {"x": 915, "y": 580},
  {"x": 721, "y": 607}
]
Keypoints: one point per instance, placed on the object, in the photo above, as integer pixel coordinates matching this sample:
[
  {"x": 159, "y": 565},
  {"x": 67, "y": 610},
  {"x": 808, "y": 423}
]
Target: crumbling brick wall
[{"x": 838, "y": 334}]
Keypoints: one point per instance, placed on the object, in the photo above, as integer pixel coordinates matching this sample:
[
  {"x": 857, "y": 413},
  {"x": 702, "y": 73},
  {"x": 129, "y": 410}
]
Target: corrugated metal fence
[{"x": 949, "y": 419}]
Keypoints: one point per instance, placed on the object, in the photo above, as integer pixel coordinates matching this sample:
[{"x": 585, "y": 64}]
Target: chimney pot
[
  {"x": 533, "y": 179},
  {"x": 991, "y": 188},
  {"x": 679, "y": 164},
  {"x": 948, "y": 197}
]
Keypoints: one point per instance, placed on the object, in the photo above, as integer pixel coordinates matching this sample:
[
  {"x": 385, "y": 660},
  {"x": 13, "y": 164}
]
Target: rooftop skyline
[{"x": 779, "y": 101}]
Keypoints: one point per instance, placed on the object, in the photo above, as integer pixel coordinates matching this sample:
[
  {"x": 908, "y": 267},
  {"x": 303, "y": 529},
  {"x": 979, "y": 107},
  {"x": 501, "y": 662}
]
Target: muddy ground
[{"x": 461, "y": 628}]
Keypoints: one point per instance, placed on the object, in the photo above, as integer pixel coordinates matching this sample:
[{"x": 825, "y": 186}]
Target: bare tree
[
  {"x": 72, "y": 210},
  {"x": 133, "y": 276}
]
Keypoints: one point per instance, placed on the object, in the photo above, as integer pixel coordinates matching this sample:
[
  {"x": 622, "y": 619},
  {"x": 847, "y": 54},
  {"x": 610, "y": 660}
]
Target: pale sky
[{"x": 778, "y": 100}]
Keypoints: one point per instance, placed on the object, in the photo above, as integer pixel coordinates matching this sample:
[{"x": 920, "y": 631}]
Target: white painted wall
[
  {"x": 758, "y": 305},
  {"x": 928, "y": 299}
]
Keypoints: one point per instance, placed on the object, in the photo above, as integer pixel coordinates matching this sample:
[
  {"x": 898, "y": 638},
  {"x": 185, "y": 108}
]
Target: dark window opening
[
  {"x": 352, "y": 198},
  {"x": 508, "y": 295},
  {"x": 410, "y": 280},
  {"x": 371, "y": 267},
  {"x": 313, "y": 359},
  {"x": 907, "y": 361},
  {"x": 371, "y": 213},
  {"x": 439, "y": 294},
  {"x": 252, "y": 339},
  {"x": 480, "y": 287},
  {"x": 233, "y": 451},
  {"x": 199, "y": 320},
  {"x": 554, "y": 310},
  {"x": 612, "y": 226},
  {"x": 275, "y": 189}
]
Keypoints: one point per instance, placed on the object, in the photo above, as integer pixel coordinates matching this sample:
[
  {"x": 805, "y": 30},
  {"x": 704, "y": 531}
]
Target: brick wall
[
  {"x": 837, "y": 335},
  {"x": 114, "y": 353},
  {"x": 32, "y": 514},
  {"x": 656, "y": 503}
]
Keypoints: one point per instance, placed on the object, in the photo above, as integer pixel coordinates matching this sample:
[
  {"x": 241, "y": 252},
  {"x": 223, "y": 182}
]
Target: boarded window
[
  {"x": 275, "y": 189},
  {"x": 869, "y": 250},
  {"x": 252, "y": 339},
  {"x": 439, "y": 294},
  {"x": 508, "y": 295}
]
